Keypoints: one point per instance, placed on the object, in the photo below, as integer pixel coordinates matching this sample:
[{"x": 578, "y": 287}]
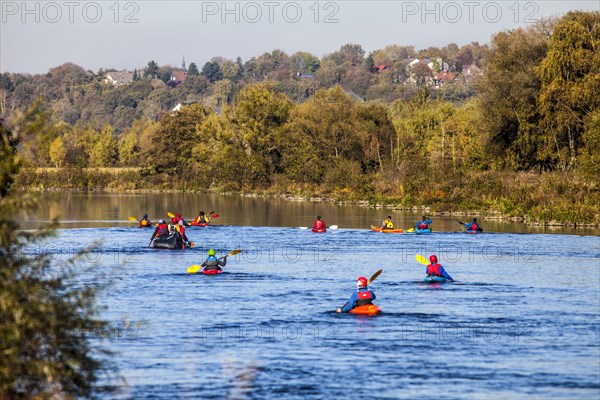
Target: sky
[{"x": 38, "y": 35}]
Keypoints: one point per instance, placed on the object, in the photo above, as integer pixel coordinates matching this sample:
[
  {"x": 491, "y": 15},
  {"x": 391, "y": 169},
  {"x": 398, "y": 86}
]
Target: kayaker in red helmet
[
  {"x": 436, "y": 269},
  {"x": 180, "y": 218},
  {"x": 161, "y": 229},
  {"x": 319, "y": 225},
  {"x": 361, "y": 297}
]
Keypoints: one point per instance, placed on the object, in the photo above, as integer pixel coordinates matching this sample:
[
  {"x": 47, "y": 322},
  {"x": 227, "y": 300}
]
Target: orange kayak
[
  {"x": 377, "y": 229},
  {"x": 368, "y": 309}
]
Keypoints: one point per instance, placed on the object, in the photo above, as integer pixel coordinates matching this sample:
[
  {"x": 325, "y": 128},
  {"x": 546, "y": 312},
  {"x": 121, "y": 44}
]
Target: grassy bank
[{"x": 550, "y": 198}]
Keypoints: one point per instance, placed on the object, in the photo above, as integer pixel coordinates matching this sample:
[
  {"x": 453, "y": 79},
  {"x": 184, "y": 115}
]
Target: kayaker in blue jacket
[
  {"x": 423, "y": 223},
  {"x": 212, "y": 262},
  {"x": 361, "y": 297},
  {"x": 436, "y": 269},
  {"x": 473, "y": 226}
]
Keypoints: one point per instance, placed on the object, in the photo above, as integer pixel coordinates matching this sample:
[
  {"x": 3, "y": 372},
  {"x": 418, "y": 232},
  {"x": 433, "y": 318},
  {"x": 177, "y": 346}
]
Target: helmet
[
  {"x": 211, "y": 252},
  {"x": 433, "y": 259},
  {"x": 201, "y": 212},
  {"x": 145, "y": 215},
  {"x": 389, "y": 217},
  {"x": 474, "y": 219},
  {"x": 161, "y": 221},
  {"x": 318, "y": 217},
  {"x": 174, "y": 220},
  {"x": 178, "y": 215},
  {"x": 361, "y": 282}
]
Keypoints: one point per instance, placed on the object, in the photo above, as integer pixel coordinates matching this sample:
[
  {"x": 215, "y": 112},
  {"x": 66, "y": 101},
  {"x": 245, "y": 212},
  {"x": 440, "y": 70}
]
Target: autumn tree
[
  {"x": 509, "y": 97},
  {"x": 569, "y": 86}
]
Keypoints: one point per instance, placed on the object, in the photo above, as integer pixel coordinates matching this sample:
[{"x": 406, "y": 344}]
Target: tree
[
  {"x": 193, "y": 70},
  {"x": 47, "y": 314},
  {"x": 151, "y": 71},
  {"x": 569, "y": 85},
  {"x": 104, "y": 149},
  {"x": 508, "y": 99},
  {"x": 58, "y": 152},
  {"x": 212, "y": 71}
]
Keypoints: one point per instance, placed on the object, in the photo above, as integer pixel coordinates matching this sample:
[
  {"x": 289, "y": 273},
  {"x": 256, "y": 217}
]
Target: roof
[{"x": 119, "y": 77}]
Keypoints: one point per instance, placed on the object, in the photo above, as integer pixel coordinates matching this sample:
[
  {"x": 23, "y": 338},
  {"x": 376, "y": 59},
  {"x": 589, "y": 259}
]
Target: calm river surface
[{"x": 522, "y": 320}]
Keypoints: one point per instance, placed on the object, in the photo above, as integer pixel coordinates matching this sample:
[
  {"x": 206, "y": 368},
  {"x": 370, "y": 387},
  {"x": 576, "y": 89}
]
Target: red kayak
[
  {"x": 322, "y": 230},
  {"x": 199, "y": 224},
  {"x": 367, "y": 309},
  {"x": 212, "y": 271}
]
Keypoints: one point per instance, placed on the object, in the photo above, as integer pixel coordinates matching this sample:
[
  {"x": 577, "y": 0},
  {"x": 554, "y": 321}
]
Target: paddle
[
  {"x": 195, "y": 268},
  {"x": 375, "y": 275},
  {"x": 171, "y": 215},
  {"x": 411, "y": 230},
  {"x": 133, "y": 219},
  {"x": 421, "y": 259}
]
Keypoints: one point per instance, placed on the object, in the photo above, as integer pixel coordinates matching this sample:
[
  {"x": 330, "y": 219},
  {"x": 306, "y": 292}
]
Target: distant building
[
  {"x": 178, "y": 75},
  {"x": 118, "y": 78},
  {"x": 471, "y": 72},
  {"x": 444, "y": 77}
]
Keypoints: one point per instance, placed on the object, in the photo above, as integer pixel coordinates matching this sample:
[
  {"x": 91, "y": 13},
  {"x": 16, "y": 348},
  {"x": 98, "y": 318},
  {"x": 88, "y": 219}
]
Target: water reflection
[{"x": 102, "y": 209}]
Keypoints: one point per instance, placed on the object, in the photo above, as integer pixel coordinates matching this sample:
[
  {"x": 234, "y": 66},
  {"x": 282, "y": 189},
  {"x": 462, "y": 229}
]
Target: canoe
[
  {"x": 367, "y": 309},
  {"x": 435, "y": 279},
  {"x": 199, "y": 224},
  {"x": 378, "y": 229},
  {"x": 322, "y": 230},
  {"x": 212, "y": 271},
  {"x": 172, "y": 241},
  {"x": 473, "y": 232}
]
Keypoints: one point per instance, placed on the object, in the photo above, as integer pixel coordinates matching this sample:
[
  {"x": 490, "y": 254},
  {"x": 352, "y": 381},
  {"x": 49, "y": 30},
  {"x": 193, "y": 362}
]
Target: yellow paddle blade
[
  {"x": 171, "y": 215},
  {"x": 411, "y": 230},
  {"x": 133, "y": 219},
  {"x": 375, "y": 275},
  {"x": 194, "y": 269},
  {"x": 234, "y": 252},
  {"x": 421, "y": 259}
]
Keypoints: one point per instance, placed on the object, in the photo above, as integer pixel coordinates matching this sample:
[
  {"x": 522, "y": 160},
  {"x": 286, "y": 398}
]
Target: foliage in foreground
[{"x": 46, "y": 316}]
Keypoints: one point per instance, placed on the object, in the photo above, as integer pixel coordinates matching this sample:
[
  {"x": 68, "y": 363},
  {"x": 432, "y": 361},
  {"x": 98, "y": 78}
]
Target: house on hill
[
  {"x": 444, "y": 77},
  {"x": 471, "y": 73},
  {"x": 178, "y": 75},
  {"x": 118, "y": 78}
]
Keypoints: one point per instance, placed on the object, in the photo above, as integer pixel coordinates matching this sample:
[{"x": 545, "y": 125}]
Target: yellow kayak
[{"x": 377, "y": 229}]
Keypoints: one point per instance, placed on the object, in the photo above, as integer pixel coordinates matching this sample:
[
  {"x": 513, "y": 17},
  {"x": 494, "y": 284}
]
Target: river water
[{"x": 522, "y": 320}]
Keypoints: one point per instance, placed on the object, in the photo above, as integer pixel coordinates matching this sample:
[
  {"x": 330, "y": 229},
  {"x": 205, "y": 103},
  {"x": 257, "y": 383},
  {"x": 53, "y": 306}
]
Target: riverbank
[{"x": 551, "y": 199}]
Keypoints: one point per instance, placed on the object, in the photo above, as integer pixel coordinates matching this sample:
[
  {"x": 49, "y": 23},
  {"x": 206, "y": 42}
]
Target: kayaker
[
  {"x": 212, "y": 262},
  {"x": 201, "y": 218},
  {"x": 387, "y": 224},
  {"x": 173, "y": 225},
  {"x": 161, "y": 229},
  {"x": 145, "y": 222},
  {"x": 473, "y": 226},
  {"x": 436, "y": 269},
  {"x": 361, "y": 297},
  {"x": 180, "y": 218},
  {"x": 423, "y": 223},
  {"x": 319, "y": 224},
  {"x": 181, "y": 230}
]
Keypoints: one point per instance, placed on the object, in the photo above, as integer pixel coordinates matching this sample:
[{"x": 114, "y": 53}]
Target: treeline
[
  {"x": 527, "y": 144},
  {"x": 79, "y": 97}
]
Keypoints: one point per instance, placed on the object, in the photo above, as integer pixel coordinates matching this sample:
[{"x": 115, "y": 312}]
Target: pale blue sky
[{"x": 95, "y": 34}]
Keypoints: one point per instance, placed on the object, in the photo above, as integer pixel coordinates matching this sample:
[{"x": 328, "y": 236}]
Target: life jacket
[
  {"x": 434, "y": 269},
  {"x": 144, "y": 222},
  {"x": 422, "y": 225},
  {"x": 474, "y": 226},
  {"x": 388, "y": 224},
  {"x": 319, "y": 224},
  {"x": 163, "y": 229},
  {"x": 212, "y": 263},
  {"x": 364, "y": 298}
]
